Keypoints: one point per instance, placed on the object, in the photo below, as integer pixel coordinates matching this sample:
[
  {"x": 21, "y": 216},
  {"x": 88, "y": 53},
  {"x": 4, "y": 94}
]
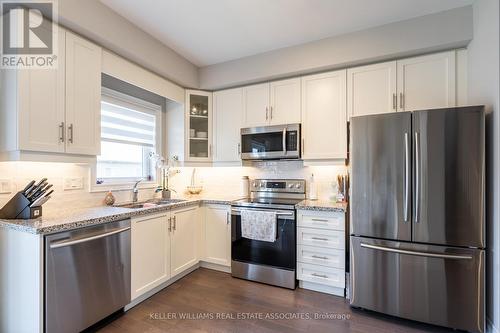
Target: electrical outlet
[
  {"x": 5, "y": 186},
  {"x": 74, "y": 183}
]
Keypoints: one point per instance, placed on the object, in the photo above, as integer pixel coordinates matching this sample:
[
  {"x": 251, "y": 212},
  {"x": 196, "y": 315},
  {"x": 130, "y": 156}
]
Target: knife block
[{"x": 19, "y": 208}]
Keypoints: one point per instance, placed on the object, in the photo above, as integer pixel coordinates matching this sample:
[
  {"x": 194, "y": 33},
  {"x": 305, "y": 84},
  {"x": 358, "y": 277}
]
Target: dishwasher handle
[{"x": 58, "y": 244}]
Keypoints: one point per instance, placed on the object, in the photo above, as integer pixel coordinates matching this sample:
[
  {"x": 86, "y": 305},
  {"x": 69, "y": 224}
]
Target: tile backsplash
[{"x": 216, "y": 181}]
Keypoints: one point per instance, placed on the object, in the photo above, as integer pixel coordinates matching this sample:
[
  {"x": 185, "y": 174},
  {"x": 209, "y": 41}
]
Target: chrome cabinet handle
[
  {"x": 228, "y": 218},
  {"x": 271, "y": 109},
  {"x": 267, "y": 112},
  {"x": 320, "y": 238},
  {"x": 319, "y": 220},
  {"x": 70, "y": 133},
  {"x": 239, "y": 148},
  {"x": 210, "y": 150},
  {"x": 61, "y": 132},
  {"x": 394, "y": 101},
  {"x": 169, "y": 224},
  {"x": 417, "y": 176},
  {"x": 320, "y": 275},
  {"x": 401, "y": 101},
  {"x": 414, "y": 253},
  {"x": 319, "y": 257},
  {"x": 59, "y": 244},
  {"x": 407, "y": 179},
  {"x": 175, "y": 224}
]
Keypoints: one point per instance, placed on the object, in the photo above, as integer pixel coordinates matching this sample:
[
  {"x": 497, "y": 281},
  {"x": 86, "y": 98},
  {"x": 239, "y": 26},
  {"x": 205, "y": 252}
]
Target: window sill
[{"x": 96, "y": 188}]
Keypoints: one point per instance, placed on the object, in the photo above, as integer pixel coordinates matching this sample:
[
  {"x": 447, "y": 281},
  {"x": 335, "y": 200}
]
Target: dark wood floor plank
[{"x": 208, "y": 293}]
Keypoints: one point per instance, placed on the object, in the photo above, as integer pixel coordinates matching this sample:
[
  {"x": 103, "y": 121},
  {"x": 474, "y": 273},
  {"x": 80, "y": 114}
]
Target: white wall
[
  {"x": 484, "y": 88},
  {"x": 94, "y": 20},
  {"x": 440, "y": 31}
]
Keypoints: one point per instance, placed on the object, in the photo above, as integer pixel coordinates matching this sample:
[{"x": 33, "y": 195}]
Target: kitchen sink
[{"x": 138, "y": 205}]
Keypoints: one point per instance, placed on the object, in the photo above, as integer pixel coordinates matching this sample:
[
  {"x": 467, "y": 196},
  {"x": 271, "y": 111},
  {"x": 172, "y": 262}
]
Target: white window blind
[{"x": 123, "y": 124}]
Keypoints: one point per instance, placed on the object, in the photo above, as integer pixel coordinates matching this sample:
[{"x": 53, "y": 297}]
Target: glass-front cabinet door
[{"x": 199, "y": 125}]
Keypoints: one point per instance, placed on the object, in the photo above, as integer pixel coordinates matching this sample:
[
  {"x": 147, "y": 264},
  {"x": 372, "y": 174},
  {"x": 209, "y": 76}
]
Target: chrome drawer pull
[
  {"x": 320, "y": 239},
  {"x": 319, "y": 257},
  {"x": 319, "y": 220},
  {"x": 320, "y": 275}
]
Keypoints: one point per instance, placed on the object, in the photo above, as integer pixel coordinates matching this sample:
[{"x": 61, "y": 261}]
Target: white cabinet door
[
  {"x": 228, "y": 115},
  {"x": 83, "y": 96},
  {"x": 285, "y": 102},
  {"x": 41, "y": 106},
  {"x": 256, "y": 105},
  {"x": 427, "y": 82},
  {"x": 324, "y": 123},
  {"x": 372, "y": 89},
  {"x": 218, "y": 235},
  {"x": 184, "y": 251},
  {"x": 150, "y": 252}
]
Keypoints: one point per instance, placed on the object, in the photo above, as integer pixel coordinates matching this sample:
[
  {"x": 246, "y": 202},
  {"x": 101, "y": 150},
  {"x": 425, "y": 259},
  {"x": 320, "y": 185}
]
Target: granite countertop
[
  {"x": 322, "y": 205},
  {"x": 64, "y": 219}
]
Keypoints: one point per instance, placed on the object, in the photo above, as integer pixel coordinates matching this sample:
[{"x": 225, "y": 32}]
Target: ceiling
[{"x": 207, "y": 32}]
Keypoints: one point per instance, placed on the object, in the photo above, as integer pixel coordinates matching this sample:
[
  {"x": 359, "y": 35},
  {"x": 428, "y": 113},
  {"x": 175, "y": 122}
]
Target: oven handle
[{"x": 237, "y": 211}]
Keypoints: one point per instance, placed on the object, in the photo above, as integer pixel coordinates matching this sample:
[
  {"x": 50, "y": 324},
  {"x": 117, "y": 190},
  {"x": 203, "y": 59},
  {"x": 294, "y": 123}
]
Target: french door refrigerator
[{"x": 417, "y": 216}]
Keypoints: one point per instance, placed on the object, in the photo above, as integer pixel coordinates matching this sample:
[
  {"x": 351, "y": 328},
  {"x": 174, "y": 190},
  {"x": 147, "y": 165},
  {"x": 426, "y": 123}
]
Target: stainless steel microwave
[{"x": 270, "y": 142}]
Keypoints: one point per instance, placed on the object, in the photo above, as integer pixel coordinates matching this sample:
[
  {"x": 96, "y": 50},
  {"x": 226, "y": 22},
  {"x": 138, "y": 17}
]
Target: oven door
[
  {"x": 280, "y": 253},
  {"x": 270, "y": 142}
]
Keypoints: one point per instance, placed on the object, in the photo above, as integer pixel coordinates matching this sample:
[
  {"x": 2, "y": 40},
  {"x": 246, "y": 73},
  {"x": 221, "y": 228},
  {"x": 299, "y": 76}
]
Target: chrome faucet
[{"x": 135, "y": 191}]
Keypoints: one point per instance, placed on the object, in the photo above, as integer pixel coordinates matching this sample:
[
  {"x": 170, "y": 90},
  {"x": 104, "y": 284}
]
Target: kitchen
[{"x": 192, "y": 184}]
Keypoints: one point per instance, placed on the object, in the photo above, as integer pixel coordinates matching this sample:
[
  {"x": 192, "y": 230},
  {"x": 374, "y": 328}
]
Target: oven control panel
[{"x": 278, "y": 185}]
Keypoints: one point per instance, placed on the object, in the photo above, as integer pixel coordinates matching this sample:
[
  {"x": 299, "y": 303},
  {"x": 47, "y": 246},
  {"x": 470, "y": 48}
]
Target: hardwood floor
[{"x": 207, "y": 296}]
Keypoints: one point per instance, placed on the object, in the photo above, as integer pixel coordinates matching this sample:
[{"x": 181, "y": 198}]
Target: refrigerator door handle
[
  {"x": 417, "y": 176},
  {"x": 415, "y": 253},
  {"x": 407, "y": 179}
]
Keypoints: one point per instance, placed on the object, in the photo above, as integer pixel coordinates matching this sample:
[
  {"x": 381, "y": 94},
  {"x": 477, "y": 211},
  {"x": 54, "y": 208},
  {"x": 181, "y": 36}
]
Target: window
[{"x": 130, "y": 132}]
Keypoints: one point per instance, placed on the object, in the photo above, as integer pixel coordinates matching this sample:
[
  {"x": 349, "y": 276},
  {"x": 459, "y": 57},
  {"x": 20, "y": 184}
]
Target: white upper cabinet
[
  {"x": 228, "y": 119},
  {"x": 427, "y": 82},
  {"x": 285, "y": 102},
  {"x": 218, "y": 235},
  {"x": 372, "y": 89},
  {"x": 83, "y": 96},
  {"x": 274, "y": 103},
  {"x": 41, "y": 106},
  {"x": 198, "y": 126},
  {"x": 256, "y": 105},
  {"x": 324, "y": 116},
  {"x": 184, "y": 225}
]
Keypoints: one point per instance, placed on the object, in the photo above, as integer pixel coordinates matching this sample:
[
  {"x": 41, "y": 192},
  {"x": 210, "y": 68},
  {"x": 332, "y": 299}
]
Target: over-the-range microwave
[{"x": 270, "y": 142}]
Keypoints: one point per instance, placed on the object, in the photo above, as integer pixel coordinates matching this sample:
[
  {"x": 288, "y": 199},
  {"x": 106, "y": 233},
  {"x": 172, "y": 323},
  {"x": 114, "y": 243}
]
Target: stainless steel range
[{"x": 264, "y": 261}]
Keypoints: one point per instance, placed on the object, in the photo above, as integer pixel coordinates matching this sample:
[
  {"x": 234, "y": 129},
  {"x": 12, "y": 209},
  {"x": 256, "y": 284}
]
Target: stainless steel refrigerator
[{"x": 417, "y": 244}]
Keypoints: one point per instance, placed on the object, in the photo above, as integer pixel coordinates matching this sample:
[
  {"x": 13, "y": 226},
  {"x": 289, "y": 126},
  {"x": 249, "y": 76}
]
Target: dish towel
[{"x": 258, "y": 225}]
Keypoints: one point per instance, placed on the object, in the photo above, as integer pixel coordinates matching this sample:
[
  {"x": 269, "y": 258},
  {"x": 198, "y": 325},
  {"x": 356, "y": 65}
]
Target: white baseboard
[
  {"x": 490, "y": 328},
  {"x": 153, "y": 291},
  {"x": 215, "y": 267},
  {"x": 322, "y": 288}
]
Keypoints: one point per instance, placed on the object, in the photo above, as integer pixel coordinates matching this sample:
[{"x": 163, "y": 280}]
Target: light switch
[
  {"x": 75, "y": 183},
  {"x": 5, "y": 186}
]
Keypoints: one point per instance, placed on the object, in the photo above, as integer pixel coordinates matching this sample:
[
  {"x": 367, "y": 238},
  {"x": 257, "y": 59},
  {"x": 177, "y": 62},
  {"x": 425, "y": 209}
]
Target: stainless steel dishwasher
[{"x": 87, "y": 275}]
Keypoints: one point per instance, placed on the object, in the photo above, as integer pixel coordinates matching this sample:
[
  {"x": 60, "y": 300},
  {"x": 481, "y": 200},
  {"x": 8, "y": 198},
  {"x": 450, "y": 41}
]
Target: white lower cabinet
[
  {"x": 150, "y": 252},
  {"x": 218, "y": 235},
  {"x": 321, "y": 251},
  {"x": 184, "y": 240},
  {"x": 162, "y": 246}
]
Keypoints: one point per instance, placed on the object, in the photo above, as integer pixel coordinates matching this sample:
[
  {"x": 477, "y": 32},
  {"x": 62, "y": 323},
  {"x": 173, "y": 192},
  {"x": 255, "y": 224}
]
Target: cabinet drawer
[
  {"x": 320, "y": 274},
  {"x": 324, "y": 238},
  {"x": 322, "y": 220},
  {"x": 321, "y": 256}
]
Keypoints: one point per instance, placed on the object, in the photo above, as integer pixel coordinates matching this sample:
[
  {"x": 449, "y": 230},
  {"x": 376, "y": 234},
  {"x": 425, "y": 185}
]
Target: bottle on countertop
[
  {"x": 313, "y": 188},
  {"x": 245, "y": 184}
]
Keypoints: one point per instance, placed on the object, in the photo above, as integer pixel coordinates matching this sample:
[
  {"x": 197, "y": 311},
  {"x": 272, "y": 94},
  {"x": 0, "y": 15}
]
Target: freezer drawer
[{"x": 433, "y": 284}]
